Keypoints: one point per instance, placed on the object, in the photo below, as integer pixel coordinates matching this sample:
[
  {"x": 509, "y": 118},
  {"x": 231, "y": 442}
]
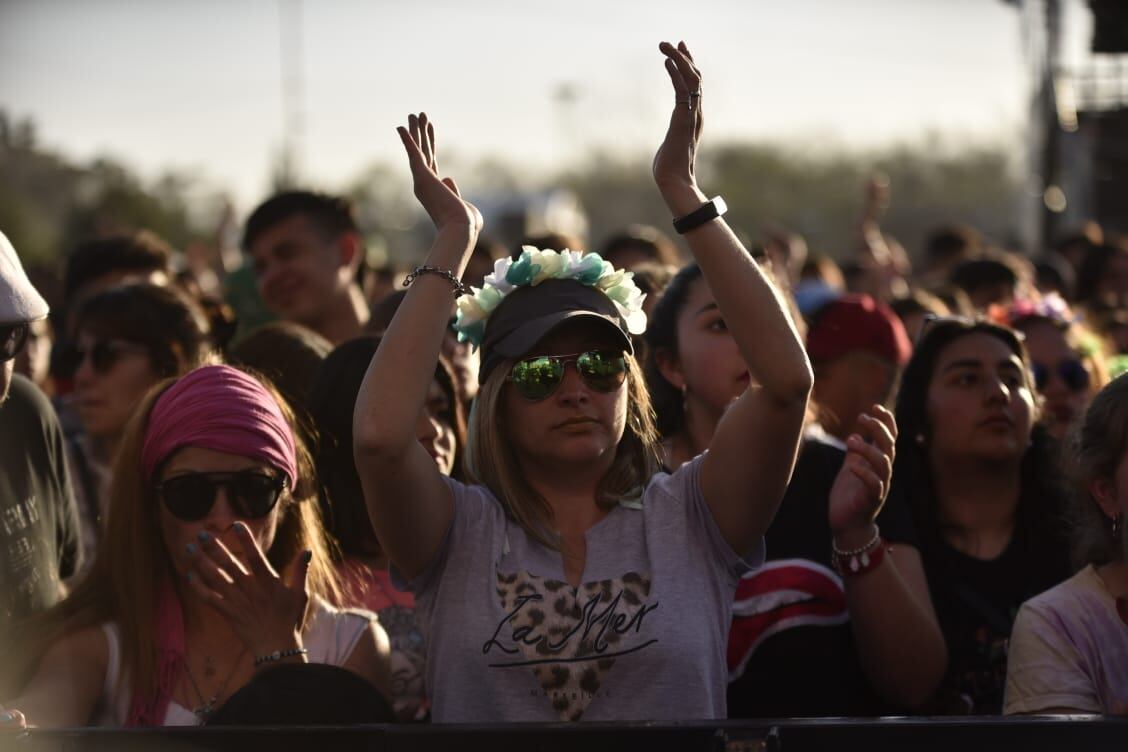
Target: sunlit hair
[
  {"x": 491, "y": 459},
  {"x": 1095, "y": 449},
  {"x": 132, "y": 561}
]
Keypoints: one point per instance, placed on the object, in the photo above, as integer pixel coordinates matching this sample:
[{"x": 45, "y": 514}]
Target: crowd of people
[{"x": 551, "y": 484}]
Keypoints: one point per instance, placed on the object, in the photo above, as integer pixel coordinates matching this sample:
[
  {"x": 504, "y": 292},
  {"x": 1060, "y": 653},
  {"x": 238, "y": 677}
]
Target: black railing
[{"x": 832, "y": 735}]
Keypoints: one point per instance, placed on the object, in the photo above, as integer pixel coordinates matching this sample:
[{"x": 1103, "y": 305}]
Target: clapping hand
[
  {"x": 862, "y": 484},
  {"x": 674, "y": 164},
  {"x": 440, "y": 197}
]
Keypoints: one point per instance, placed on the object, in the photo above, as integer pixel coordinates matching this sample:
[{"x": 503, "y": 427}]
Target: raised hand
[
  {"x": 265, "y": 609},
  {"x": 674, "y": 164},
  {"x": 439, "y": 196},
  {"x": 862, "y": 484}
]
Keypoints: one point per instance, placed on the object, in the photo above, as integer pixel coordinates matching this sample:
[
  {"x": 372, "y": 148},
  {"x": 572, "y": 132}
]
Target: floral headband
[
  {"x": 535, "y": 266},
  {"x": 1052, "y": 307}
]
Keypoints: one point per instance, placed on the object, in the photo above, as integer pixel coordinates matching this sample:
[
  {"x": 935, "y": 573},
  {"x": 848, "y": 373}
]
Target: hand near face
[
  {"x": 862, "y": 484},
  {"x": 264, "y": 608}
]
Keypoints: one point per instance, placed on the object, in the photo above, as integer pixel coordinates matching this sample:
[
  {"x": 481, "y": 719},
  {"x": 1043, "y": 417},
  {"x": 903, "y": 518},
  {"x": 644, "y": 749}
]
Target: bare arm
[
  {"x": 372, "y": 659},
  {"x": 409, "y": 504},
  {"x": 899, "y": 641},
  {"x": 66, "y": 686},
  {"x": 764, "y": 424}
]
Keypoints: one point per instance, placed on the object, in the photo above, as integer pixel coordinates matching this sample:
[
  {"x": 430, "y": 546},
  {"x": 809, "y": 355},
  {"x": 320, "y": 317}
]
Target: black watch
[{"x": 708, "y": 211}]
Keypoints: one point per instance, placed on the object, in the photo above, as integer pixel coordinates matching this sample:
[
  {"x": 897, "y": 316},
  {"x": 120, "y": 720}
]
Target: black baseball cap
[{"x": 530, "y": 313}]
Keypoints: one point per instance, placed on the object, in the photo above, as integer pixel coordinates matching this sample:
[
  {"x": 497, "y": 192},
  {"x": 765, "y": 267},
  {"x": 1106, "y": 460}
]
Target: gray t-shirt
[{"x": 643, "y": 638}]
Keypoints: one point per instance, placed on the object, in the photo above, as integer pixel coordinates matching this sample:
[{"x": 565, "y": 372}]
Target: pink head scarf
[
  {"x": 214, "y": 407},
  {"x": 220, "y": 408}
]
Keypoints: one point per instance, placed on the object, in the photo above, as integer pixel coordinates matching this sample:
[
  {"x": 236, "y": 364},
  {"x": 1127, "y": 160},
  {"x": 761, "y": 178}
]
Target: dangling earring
[{"x": 1117, "y": 522}]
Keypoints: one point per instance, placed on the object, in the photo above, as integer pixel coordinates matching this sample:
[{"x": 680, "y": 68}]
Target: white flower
[
  {"x": 496, "y": 279},
  {"x": 587, "y": 268}
]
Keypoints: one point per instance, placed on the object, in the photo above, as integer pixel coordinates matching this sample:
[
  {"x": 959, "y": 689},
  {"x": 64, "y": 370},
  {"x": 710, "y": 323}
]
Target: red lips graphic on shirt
[{"x": 782, "y": 595}]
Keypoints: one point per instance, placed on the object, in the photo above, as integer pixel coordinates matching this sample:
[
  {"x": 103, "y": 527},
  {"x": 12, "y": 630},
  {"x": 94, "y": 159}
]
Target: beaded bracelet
[
  {"x": 859, "y": 560},
  {"x": 446, "y": 274},
  {"x": 278, "y": 655}
]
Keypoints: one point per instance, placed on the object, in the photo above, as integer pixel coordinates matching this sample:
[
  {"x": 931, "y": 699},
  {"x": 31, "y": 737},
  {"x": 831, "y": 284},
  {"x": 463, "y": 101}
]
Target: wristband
[
  {"x": 859, "y": 560},
  {"x": 707, "y": 212},
  {"x": 278, "y": 655},
  {"x": 455, "y": 282}
]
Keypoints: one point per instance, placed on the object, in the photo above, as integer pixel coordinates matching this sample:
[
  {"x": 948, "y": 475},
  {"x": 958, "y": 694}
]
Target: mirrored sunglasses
[{"x": 538, "y": 377}]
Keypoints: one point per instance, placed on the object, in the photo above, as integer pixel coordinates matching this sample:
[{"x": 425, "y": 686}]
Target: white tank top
[{"x": 330, "y": 638}]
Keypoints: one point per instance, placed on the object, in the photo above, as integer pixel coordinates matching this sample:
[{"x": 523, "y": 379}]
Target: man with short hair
[
  {"x": 306, "y": 251},
  {"x": 38, "y": 519},
  {"x": 857, "y": 347}
]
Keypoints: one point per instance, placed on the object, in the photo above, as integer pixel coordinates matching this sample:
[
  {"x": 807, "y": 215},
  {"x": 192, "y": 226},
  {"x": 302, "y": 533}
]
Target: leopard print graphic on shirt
[{"x": 569, "y": 637}]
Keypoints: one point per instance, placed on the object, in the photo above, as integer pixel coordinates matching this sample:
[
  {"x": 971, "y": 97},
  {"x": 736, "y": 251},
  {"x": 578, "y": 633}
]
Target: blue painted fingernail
[
  {"x": 191, "y": 548},
  {"x": 242, "y": 527},
  {"x": 6, "y": 717},
  {"x": 204, "y": 536}
]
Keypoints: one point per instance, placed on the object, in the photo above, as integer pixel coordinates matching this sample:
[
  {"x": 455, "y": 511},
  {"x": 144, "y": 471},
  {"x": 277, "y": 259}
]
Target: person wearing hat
[
  {"x": 38, "y": 518},
  {"x": 571, "y": 579},
  {"x": 857, "y": 346}
]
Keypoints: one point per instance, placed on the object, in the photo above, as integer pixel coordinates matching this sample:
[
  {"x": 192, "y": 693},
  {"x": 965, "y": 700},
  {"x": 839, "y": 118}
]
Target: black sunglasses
[
  {"x": 538, "y": 377},
  {"x": 251, "y": 493},
  {"x": 1071, "y": 371},
  {"x": 103, "y": 354},
  {"x": 13, "y": 337}
]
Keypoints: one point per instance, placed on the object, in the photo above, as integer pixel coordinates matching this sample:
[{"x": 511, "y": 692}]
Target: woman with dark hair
[
  {"x": 127, "y": 339},
  {"x": 809, "y": 637},
  {"x": 1069, "y": 649},
  {"x": 571, "y": 579},
  {"x": 983, "y": 484},
  {"x": 363, "y": 565}
]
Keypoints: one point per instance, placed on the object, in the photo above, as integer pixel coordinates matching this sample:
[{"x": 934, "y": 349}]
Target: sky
[{"x": 197, "y": 86}]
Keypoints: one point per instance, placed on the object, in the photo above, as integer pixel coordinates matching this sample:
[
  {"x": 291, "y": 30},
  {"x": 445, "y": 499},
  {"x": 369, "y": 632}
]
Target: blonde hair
[
  {"x": 491, "y": 460},
  {"x": 132, "y": 562}
]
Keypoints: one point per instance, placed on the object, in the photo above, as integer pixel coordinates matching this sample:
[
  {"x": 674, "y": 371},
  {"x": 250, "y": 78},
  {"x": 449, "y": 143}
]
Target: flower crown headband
[
  {"x": 535, "y": 266},
  {"x": 1052, "y": 307}
]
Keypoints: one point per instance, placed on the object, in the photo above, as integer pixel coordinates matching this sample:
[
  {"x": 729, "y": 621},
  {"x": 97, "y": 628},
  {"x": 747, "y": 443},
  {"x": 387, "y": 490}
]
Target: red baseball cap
[{"x": 857, "y": 322}]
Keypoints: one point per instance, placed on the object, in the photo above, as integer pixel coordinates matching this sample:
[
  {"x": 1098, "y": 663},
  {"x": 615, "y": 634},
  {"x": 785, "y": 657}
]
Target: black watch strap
[{"x": 708, "y": 211}]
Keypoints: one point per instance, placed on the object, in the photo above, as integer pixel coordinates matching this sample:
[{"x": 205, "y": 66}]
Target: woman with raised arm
[{"x": 571, "y": 579}]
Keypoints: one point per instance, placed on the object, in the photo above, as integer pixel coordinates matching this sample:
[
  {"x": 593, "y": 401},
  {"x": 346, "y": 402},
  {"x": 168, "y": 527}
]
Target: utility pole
[{"x": 289, "y": 167}]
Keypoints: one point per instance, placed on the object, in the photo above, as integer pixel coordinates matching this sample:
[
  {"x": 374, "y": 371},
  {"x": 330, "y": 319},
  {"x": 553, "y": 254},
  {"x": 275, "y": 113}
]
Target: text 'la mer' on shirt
[{"x": 643, "y": 638}]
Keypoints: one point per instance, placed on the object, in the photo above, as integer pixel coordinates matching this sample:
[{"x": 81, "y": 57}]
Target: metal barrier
[{"x": 792, "y": 735}]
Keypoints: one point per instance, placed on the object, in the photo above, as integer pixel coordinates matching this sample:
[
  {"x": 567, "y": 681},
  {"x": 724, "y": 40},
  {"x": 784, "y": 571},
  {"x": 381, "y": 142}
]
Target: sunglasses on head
[
  {"x": 250, "y": 493},
  {"x": 13, "y": 337},
  {"x": 537, "y": 377},
  {"x": 103, "y": 354},
  {"x": 1071, "y": 371}
]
